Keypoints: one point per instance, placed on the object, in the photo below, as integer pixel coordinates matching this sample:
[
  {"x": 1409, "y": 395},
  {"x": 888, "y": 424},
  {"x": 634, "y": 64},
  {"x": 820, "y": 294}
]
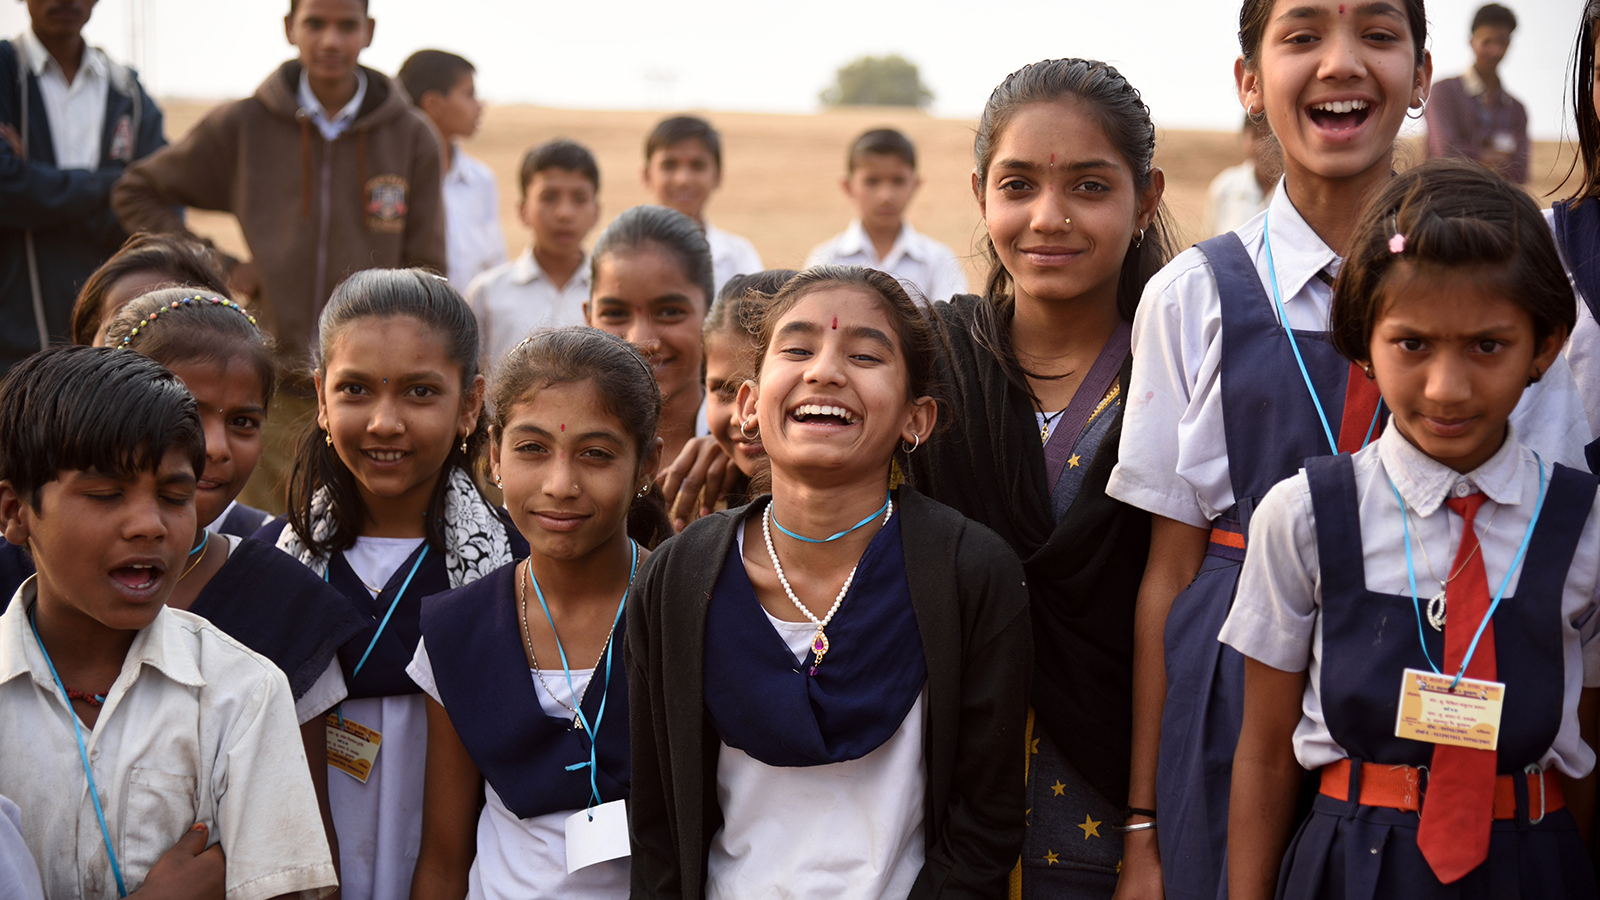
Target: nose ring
[{"x": 1068, "y": 220}]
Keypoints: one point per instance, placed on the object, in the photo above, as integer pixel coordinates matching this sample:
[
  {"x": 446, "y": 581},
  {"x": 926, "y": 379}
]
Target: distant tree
[{"x": 889, "y": 80}]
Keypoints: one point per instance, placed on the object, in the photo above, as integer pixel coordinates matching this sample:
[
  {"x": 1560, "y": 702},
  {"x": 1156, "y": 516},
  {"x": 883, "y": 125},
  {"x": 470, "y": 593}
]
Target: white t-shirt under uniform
[
  {"x": 514, "y": 299},
  {"x": 197, "y": 727},
  {"x": 526, "y": 859},
  {"x": 380, "y": 823},
  {"x": 474, "y": 242},
  {"x": 842, "y": 831},
  {"x": 927, "y": 269},
  {"x": 1277, "y": 614},
  {"x": 76, "y": 112}
]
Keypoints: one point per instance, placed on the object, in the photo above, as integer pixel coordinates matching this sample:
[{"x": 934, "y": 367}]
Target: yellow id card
[
  {"x": 1468, "y": 716},
  {"x": 352, "y": 747}
]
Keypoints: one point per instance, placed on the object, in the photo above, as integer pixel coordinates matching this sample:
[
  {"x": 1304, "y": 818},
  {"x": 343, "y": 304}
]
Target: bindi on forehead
[
  {"x": 1341, "y": 9},
  {"x": 835, "y": 323},
  {"x": 563, "y": 426}
]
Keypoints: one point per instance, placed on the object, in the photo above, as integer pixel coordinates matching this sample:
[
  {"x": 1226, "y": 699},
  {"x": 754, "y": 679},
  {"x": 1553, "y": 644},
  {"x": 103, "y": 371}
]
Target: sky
[{"x": 764, "y": 56}]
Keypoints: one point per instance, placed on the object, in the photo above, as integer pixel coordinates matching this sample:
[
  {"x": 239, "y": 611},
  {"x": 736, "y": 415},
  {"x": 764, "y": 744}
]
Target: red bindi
[
  {"x": 1341, "y": 9},
  {"x": 1052, "y": 159},
  {"x": 835, "y": 323},
  {"x": 563, "y": 426}
]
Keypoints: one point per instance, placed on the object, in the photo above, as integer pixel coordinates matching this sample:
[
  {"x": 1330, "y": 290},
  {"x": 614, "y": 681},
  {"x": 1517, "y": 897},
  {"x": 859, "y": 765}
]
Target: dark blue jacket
[{"x": 65, "y": 213}]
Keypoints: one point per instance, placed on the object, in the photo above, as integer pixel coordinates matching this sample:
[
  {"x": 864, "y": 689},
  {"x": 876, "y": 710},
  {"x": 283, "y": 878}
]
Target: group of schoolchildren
[{"x": 1267, "y": 568}]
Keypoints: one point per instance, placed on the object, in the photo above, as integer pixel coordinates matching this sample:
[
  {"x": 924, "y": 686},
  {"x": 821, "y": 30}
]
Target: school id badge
[
  {"x": 352, "y": 747},
  {"x": 597, "y": 834},
  {"x": 1468, "y": 716}
]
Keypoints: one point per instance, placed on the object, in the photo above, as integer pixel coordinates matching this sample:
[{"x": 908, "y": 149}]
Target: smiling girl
[
  {"x": 1071, "y": 202},
  {"x": 828, "y": 686},
  {"x": 384, "y": 508},
  {"x": 651, "y": 284},
  {"x": 574, "y": 449},
  {"x": 1453, "y": 300},
  {"x": 1235, "y": 384}
]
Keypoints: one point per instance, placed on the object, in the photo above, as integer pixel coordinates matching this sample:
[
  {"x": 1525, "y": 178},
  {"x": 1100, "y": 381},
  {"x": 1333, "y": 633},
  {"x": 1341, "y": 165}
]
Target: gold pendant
[
  {"x": 819, "y": 646},
  {"x": 1044, "y": 435},
  {"x": 1436, "y": 611}
]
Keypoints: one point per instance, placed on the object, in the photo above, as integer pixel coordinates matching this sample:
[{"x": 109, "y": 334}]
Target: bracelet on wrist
[{"x": 1140, "y": 826}]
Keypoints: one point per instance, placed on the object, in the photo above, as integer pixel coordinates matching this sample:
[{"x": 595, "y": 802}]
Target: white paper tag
[{"x": 603, "y": 838}]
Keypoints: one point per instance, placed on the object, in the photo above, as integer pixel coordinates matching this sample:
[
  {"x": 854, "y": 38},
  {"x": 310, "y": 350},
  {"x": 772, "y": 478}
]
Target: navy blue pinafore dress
[
  {"x": 1272, "y": 428},
  {"x": 1346, "y": 850}
]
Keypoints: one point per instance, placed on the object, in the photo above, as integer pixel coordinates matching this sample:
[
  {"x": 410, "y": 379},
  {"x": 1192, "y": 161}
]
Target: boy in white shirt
[
  {"x": 682, "y": 166},
  {"x": 548, "y": 284},
  {"x": 442, "y": 85},
  {"x": 132, "y": 736},
  {"x": 880, "y": 179}
]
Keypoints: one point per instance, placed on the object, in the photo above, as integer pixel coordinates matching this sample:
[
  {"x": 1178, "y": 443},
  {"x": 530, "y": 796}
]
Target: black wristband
[{"x": 1136, "y": 811}]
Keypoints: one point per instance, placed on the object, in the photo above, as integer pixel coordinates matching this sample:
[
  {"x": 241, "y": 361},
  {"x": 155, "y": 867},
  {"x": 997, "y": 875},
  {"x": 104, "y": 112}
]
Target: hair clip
[
  {"x": 1397, "y": 244},
  {"x": 186, "y": 301}
]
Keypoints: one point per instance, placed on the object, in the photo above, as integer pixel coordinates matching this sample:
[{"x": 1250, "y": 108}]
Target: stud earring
[
  {"x": 498, "y": 483},
  {"x": 642, "y": 491}
]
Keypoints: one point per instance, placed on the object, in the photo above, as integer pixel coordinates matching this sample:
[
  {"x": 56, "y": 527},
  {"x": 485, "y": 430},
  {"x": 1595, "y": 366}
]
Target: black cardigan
[
  {"x": 971, "y": 607},
  {"x": 1083, "y": 572}
]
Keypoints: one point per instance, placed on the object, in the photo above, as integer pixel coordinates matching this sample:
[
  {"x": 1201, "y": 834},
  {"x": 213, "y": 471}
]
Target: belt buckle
[{"x": 1533, "y": 769}]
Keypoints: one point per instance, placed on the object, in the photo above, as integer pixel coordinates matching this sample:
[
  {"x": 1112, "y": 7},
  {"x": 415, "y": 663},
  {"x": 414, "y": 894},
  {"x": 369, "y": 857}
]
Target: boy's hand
[
  {"x": 13, "y": 139},
  {"x": 187, "y": 871}
]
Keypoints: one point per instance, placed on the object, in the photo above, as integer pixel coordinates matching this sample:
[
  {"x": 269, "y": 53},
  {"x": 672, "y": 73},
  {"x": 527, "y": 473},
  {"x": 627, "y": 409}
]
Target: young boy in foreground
[{"x": 142, "y": 745}]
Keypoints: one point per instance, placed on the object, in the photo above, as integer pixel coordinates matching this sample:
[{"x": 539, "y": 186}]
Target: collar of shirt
[
  {"x": 1298, "y": 252},
  {"x": 525, "y": 269},
  {"x": 154, "y": 645},
  {"x": 906, "y": 243},
  {"x": 39, "y": 60},
  {"x": 1426, "y": 483},
  {"x": 1472, "y": 83},
  {"x": 332, "y": 128}
]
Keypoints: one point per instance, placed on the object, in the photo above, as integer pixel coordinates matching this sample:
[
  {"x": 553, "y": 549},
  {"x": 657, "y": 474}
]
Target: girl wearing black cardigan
[{"x": 829, "y": 685}]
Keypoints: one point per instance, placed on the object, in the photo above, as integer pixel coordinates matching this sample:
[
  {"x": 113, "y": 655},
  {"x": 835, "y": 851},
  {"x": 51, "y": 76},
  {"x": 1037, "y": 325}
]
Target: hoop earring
[
  {"x": 1368, "y": 369},
  {"x": 747, "y": 435},
  {"x": 913, "y": 448},
  {"x": 1256, "y": 117},
  {"x": 1138, "y": 238},
  {"x": 1421, "y": 110}
]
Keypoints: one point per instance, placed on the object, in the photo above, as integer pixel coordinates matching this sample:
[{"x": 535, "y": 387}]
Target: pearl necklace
[{"x": 819, "y": 643}]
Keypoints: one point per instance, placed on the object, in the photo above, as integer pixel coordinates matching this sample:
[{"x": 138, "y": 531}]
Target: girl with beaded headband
[
  {"x": 246, "y": 587},
  {"x": 1236, "y": 384},
  {"x": 523, "y": 744},
  {"x": 836, "y": 704},
  {"x": 383, "y": 506},
  {"x": 1071, "y": 199}
]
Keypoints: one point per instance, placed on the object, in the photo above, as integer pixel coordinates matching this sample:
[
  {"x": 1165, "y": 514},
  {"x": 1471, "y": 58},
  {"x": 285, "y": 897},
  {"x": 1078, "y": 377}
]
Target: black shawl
[{"x": 986, "y": 461}]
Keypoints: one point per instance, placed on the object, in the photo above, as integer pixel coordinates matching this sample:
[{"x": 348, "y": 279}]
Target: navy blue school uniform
[
  {"x": 241, "y": 520},
  {"x": 262, "y": 598},
  {"x": 1544, "y": 651}
]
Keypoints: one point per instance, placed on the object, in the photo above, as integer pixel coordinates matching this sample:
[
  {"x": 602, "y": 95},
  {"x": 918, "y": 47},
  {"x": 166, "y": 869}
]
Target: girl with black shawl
[{"x": 1037, "y": 368}]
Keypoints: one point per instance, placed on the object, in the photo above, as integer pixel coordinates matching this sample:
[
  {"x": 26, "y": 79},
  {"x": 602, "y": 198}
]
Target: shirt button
[{"x": 1462, "y": 489}]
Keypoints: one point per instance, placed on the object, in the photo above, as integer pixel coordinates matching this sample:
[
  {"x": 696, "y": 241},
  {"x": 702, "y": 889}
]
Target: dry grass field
[{"x": 780, "y": 184}]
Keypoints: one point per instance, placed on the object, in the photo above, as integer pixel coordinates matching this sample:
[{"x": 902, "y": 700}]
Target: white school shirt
[
  {"x": 19, "y": 875},
  {"x": 851, "y": 830},
  {"x": 1173, "y": 459},
  {"x": 196, "y": 728},
  {"x": 331, "y": 126},
  {"x": 1234, "y": 198},
  {"x": 927, "y": 269},
  {"x": 76, "y": 111},
  {"x": 380, "y": 823},
  {"x": 1276, "y": 617},
  {"x": 730, "y": 255},
  {"x": 517, "y": 298},
  {"x": 1583, "y": 346},
  {"x": 474, "y": 241},
  {"x": 526, "y": 859}
]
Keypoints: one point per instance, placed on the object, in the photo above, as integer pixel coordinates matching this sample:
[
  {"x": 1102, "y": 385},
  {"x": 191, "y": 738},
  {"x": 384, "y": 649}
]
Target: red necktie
[
  {"x": 1360, "y": 406},
  {"x": 1459, "y": 807}
]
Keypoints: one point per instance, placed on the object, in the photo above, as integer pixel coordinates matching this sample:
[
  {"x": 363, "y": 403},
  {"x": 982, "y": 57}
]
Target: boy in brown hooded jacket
[{"x": 329, "y": 169}]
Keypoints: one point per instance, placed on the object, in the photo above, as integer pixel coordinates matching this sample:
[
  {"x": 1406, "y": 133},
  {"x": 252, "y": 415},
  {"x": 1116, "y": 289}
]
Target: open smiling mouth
[
  {"x": 1340, "y": 115},
  {"x": 137, "y": 577},
  {"x": 823, "y": 415}
]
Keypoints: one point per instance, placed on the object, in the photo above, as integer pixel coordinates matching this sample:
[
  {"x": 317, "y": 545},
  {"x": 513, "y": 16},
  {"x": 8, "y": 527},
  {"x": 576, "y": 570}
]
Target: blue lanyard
[
  {"x": 393, "y": 604},
  {"x": 1411, "y": 575},
  {"x": 605, "y": 688},
  {"x": 834, "y": 537},
  {"x": 83, "y": 757},
  {"x": 1283, "y": 320}
]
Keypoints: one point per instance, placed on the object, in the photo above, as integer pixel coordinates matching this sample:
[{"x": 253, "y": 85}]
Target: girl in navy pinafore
[{"x": 1452, "y": 298}]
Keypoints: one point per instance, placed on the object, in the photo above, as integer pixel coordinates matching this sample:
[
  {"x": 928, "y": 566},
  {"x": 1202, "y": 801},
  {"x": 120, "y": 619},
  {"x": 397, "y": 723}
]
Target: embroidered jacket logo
[{"x": 386, "y": 204}]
